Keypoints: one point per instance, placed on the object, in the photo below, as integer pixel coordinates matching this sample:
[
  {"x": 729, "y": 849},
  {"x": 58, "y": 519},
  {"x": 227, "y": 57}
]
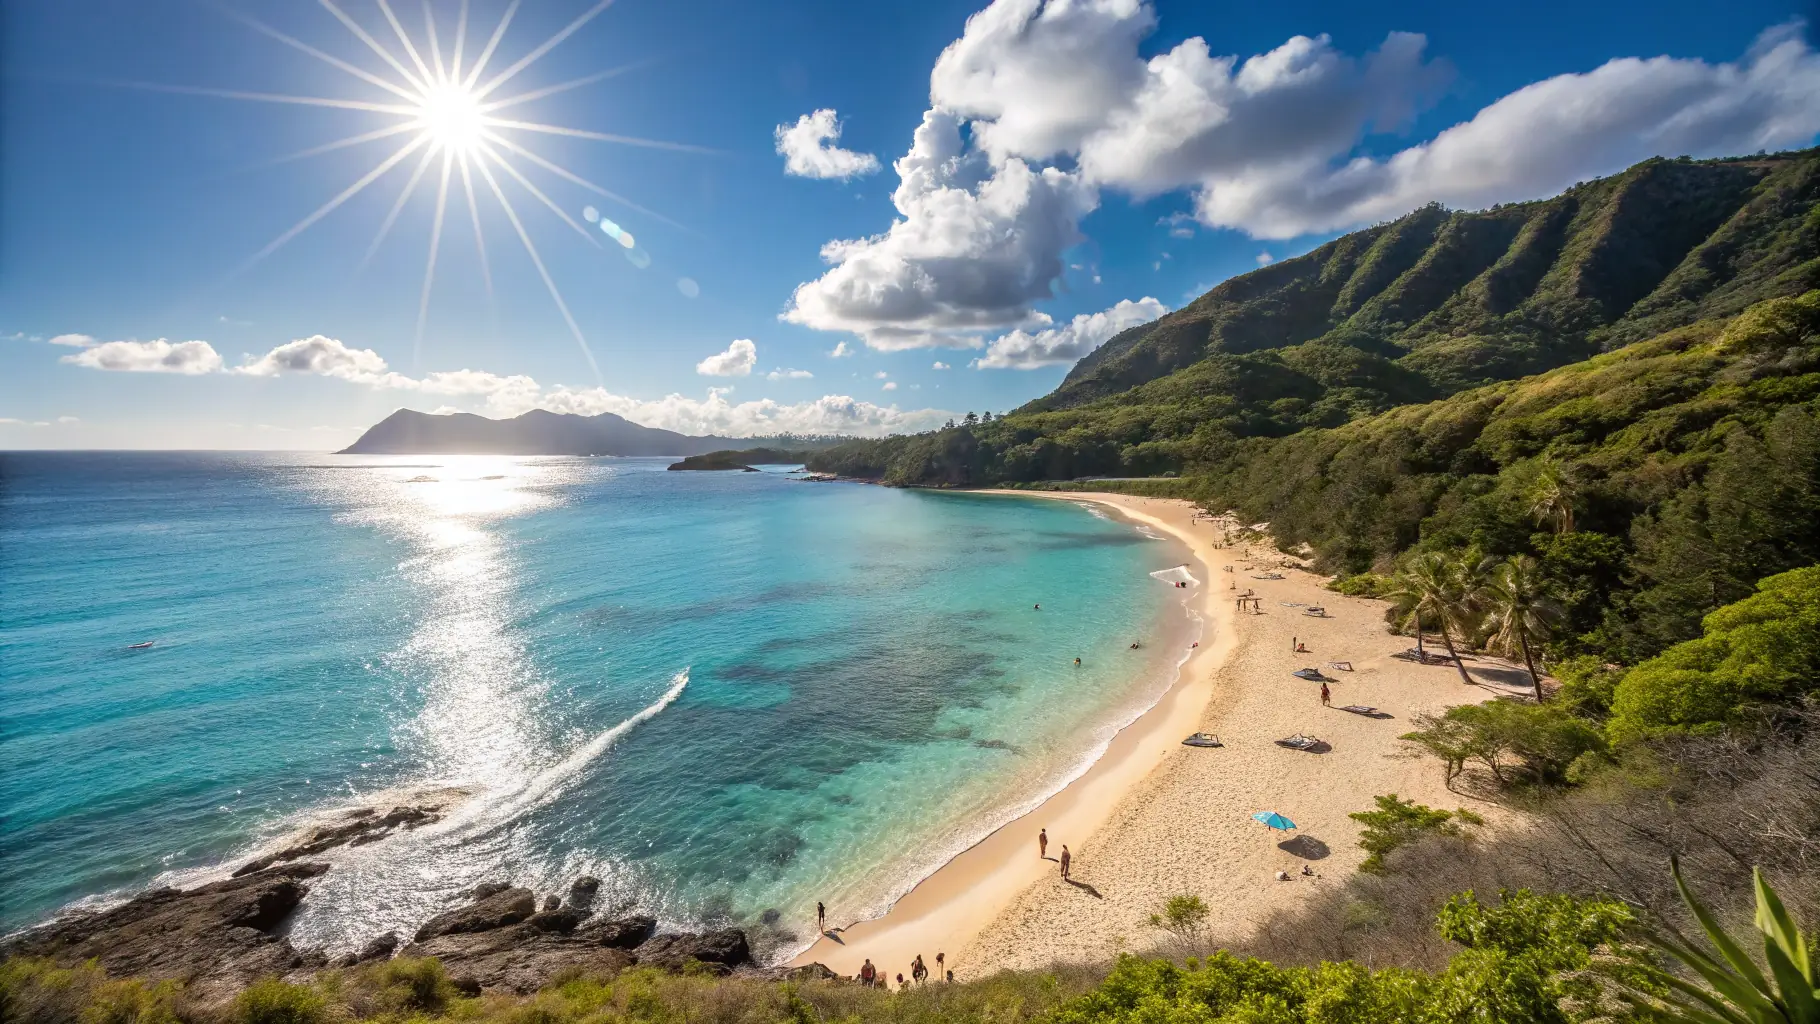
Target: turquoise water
[{"x": 722, "y": 693}]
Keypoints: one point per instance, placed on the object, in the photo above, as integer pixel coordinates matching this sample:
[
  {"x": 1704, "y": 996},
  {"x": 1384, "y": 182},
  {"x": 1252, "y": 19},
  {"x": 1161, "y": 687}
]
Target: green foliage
[
  {"x": 40, "y": 992},
  {"x": 412, "y": 983},
  {"x": 1736, "y": 989},
  {"x": 1185, "y": 919},
  {"x": 1364, "y": 584},
  {"x": 271, "y": 1001},
  {"x": 1763, "y": 649},
  {"x": 1518, "y": 742},
  {"x": 1397, "y": 823}
]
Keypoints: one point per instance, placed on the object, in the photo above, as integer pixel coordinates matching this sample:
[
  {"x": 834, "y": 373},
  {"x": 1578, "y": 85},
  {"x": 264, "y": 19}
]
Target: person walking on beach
[
  {"x": 938, "y": 965},
  {"x": 1294, "y": 645},
  {"x": 1326, "y": 697},
  {"x": 1042, "y": 842},
  {"x": 1066, "y": 860},
  {"x": 918, "y": 972},
  {"x": 868, "y": 974},
  {"x": 821, "y": 915}
]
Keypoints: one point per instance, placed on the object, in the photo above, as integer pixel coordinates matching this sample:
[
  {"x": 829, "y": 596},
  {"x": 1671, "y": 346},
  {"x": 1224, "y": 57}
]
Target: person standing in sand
[
  {"x": 1326, "y": 697},
  {"x": 1067, "y": 859},
  {"x": 868, "y": 974},
  {"x": 1042, "y": 842},
  {"x": 821, "y": 913}
]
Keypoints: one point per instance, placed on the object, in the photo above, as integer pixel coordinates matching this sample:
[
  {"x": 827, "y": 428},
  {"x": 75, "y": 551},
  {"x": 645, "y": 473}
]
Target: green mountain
[{"x": 1424, "y": 307}]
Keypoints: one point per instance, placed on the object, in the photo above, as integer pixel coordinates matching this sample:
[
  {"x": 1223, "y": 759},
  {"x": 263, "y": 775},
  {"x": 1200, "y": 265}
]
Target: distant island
[
  {"x": 745, "y": 460},
  {"x": 540, "y": 432}
]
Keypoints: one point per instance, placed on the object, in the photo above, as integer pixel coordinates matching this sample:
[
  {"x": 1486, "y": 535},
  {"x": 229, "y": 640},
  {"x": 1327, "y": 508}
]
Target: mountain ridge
[{"x": 537, "y": 432}]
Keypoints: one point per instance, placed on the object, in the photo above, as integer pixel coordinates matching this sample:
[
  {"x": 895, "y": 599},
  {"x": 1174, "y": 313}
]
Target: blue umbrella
[{"x": 1274, "y": 820}]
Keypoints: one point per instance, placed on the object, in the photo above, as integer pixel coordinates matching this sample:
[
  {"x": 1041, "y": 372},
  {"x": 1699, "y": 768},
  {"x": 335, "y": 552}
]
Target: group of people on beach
[
  {"x": 1042, "y": 850},
  {"x": 872, "y": 977}
]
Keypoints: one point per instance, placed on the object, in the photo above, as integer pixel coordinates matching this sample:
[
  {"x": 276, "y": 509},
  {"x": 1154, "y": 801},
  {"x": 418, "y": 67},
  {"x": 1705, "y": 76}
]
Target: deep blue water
[{"x": 723, "y": 693}]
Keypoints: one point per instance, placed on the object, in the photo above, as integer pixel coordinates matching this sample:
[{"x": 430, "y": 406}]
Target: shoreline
[{"x": 951, "y": 906}]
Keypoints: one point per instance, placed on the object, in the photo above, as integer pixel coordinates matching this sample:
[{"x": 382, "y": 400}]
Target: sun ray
[
  {"x": 486, "y": 52},
  {"x": 480, "y": 240},
  {"x": 404, "y": 37},
  {"x": 326, "y": 208},
  {"x": 329, "y": 147},
  {"x": 551, "y": 90},
  {"x": 267, "y": 97},
  {"x": 571, "y": 176},
  {"x": 429, "y": 271},
  {"x": 549, "y": 44},
  {"x": 391, "y": 217},
  {"x": 506, "y": 166},
  {"x": 624, "y": 140},
  {"x": 512, "y": 215},
  {"x": 335, "y": 62},
  {"x": 461, "y": 37},
  {"x": 373, "y": 44},
  {"x": 429, "y": 26}
]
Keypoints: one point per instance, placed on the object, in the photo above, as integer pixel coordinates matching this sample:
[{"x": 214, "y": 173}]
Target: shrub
[
  {"x": 1397, "y": 823},
  {"x": 1517, "y": 742},
  {"x": 270, "y": 1001},
  {"x": 413, "y": 983}
]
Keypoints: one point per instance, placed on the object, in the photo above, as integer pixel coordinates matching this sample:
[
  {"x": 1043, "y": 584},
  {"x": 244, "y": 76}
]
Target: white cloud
[
  {"x": 737, "y": 361},
  {"x": 157, "y": 356},
  {"x": 841, "y": 350},
  {"x": 1021, "y": 350},
  {"x": 977, "y": 241},
  {"x": 880, "y": 375},
  {"x": 939, "y": 365},
  {"x": 68, "y": 419},
  {"x": 1265, "y": 259},
  {"x": 317, "y": 354},
  {"x": 784, "y": 374},
  {"x": 809, "y": 151},
  {"x": 890, "y": 385},
  {"x": 73, "y": 340}
]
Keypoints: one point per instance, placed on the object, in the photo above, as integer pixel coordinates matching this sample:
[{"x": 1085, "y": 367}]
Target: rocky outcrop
[
  {"x": 492, "y": 909},
  {"x": 518, "y": 958},
  {"x": 621, "y": 933},
  {"x": 217, "y": 937},
  {"x": 721, "y": 950},
  {"x": 380, "y": 948},
  {"x": 355, "y": 828}
]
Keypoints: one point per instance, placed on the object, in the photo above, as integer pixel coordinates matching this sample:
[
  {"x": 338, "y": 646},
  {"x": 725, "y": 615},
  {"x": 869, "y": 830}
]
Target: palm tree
[
  {"x": 1433, "y": 587},
  {"x": 1551, "y": 497},
  {"x": 1519, "y": 610}
]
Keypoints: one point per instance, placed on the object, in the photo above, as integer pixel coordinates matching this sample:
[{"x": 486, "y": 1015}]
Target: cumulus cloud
[
  {"x": 318, "y": 354},
  {"x": 73, "y": 340},
  {"x": 809, "y": 150},
  {"x": 1042, "y": 105},
  {"x": 1265, "y": 259},
  {"x": 785, "y": 374},
  {"x": 977, "y": 241},
  {"x": 890, "y": 385},
  {"x": 939, "y": 365},
  {"x": 1023, "y": 350},
  {"x": 737, "y": 361},
  {"x": 156, "y": 356},
  {"x": 840, "y": 350}
]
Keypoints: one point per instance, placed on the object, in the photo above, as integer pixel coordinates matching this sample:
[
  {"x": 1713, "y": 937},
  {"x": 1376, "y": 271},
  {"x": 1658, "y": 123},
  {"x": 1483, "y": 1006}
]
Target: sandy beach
[{"x": 1153, "y": 818}]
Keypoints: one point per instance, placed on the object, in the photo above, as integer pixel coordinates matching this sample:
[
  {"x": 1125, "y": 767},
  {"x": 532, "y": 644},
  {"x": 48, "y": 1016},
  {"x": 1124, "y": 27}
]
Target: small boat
[{"x": 140, "y": 647}]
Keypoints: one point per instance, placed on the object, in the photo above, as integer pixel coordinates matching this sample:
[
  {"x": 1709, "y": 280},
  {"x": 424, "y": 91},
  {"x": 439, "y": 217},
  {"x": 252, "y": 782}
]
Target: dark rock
[
  {"x": 355, "y": 828},
  {"x": 623, "y": 933},
  {"x": 380, "y": 948},
  {"x": 217, "y": 937},
  {"x": 496, "y": 910},
  {"x": 810, "y": 972},
  {"x": 519, "y": 958},
  {"x": 552, "y": 902},
  {"x": 582, "y": 893},
  {"x": 465, "y": 985},
  {"x": 725, "y": 948},
  {"x": 560, "y": 921},
  {"x": 485, "y": 889}
]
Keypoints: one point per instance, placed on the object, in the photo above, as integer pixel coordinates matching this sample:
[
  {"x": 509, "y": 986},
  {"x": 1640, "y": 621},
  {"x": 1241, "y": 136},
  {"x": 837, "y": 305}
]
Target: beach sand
[{"x": 1153, "y": 819}]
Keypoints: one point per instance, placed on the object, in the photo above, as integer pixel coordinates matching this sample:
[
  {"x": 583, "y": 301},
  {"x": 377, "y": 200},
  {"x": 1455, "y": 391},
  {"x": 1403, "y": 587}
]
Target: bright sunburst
[{"x": 444, "y": 106}]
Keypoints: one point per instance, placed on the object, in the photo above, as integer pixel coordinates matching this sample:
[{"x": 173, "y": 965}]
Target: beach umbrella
[{"x": 1274, "y": 820}]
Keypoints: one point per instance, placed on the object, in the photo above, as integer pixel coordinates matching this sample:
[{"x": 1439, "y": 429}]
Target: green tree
[
  {"x": 1397, "y": 823},
  {"x": 1552, "y": 497},
  {"x": 1516, "y": 741},
  {"x": 1433, "y": 588},
  {"x": 1520, "y": 611}
]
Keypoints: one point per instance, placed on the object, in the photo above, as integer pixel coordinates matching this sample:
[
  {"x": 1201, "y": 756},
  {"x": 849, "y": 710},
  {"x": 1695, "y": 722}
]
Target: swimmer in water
[{"x": 1077, "y": 663}]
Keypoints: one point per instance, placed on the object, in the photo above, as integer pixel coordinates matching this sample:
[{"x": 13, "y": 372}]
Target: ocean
[{"x": 727, "y": 695}]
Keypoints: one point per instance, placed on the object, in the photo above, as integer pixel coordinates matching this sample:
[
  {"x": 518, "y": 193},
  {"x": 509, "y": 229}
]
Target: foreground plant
[{"x": 1738, "y": 992}]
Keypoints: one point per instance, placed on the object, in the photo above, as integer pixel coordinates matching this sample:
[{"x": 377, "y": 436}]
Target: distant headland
[{"x": 540, "y": 432}]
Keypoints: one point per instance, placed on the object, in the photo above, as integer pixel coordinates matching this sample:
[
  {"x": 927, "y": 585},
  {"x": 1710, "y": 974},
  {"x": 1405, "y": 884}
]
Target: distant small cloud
[
  {"x": 891, "y": 385},
  {"x": 1265, "y": 259},
  {"x": 784, "y": 374},
  {"x": 73, "y": 340},
  {"x": 809, "y": 150},
  {"x": 840, "y": 351},
  {"x": 880, "y": 375},
  {"x": 737, "y": 361},
  {"x": 157, "y": 356},
  {"x": 1024, "y": 350},
  {"x": 68, "y": 420},
  {"x": 1180, "y": 224},
  {"x": 939, "y": 365}
]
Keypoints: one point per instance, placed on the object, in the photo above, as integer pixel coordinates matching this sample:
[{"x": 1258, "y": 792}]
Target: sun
[{"x": 452, "y": 119}]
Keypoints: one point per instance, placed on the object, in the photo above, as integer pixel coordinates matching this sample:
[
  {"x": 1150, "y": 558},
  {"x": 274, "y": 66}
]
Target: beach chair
[
  {"x": 1361, "y": 709},
  {"x": 1313, "y": 675},
  {"x": 1203, "y": 739},
  {"x": 1299, "y": 742}
]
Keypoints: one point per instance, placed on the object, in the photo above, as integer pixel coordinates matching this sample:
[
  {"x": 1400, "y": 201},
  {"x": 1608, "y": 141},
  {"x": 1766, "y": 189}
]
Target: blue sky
[{"x": 1081, "y": 166}]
